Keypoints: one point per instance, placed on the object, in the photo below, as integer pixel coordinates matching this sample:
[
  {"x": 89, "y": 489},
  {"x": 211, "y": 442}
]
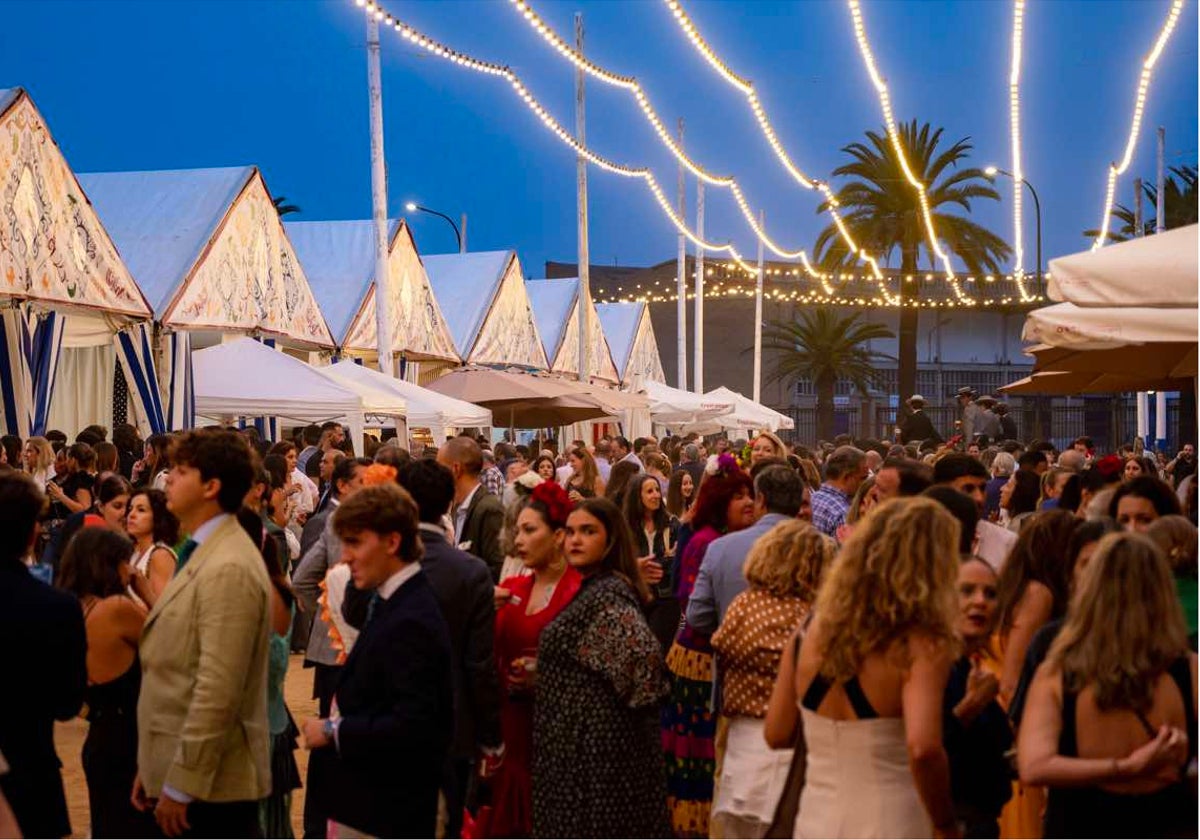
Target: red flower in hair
[
  {"x": 556, "y": 502},
  {"x": 1109, "y": 466}
]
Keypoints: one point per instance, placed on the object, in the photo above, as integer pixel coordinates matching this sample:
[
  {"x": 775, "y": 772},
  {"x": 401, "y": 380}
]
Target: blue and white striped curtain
[
  {"x": 16, "y": 391},
  {"x": 181, "y": 393},
  {"x": 136, "y": 354},
  {"x": 268, "y": 427},
  {"x": 45, "y": 347}
]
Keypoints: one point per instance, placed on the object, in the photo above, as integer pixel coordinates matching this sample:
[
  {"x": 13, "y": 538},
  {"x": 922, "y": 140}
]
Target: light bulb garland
[
  {"x": 1139, "y": 107},
  {"x": 1014, "y": 121}
]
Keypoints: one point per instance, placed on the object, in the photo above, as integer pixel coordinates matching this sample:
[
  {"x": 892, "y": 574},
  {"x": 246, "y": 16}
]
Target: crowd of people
[{"x": 684, "y": 637}]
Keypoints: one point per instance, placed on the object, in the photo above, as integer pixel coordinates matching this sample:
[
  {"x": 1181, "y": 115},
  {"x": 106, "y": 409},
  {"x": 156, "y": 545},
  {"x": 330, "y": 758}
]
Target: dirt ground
[{"x": 69, "y": 739}]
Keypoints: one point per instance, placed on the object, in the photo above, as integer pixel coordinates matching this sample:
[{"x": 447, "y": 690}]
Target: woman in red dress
[{"x": 526, "y": 604}]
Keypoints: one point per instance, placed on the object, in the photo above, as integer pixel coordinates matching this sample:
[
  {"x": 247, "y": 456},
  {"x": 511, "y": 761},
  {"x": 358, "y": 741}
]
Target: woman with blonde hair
[
  {"x": 38, "y": 458},
  {"x": 1176, "y": 536},
  {"x": 872, "y": 672},
  {"x": 783, "y": 570},
  {"x": 766, "y": 446},
  {"x": 1111, "y": 717}
]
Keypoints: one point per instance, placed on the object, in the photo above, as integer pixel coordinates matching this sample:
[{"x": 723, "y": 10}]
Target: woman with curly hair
[
  {"x": 725, "y": 504},
  {"x": 528, "y": 603},
  {"x": 1111, "y": 719},
  {"x": 872, "y": 672},
  {"x": 783, "y": 570}
]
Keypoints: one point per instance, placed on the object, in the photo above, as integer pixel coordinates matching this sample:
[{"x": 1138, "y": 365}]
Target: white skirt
[{"x": 752, "y": 775}]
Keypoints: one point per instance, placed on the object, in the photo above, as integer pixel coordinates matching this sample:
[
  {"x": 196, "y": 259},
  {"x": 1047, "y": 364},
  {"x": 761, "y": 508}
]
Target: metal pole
[
  {"x": 584, "y": 296},
  {"x": 1160, "y": 225},
  {"x": 383, "y": 326},
  {"x": 698, "y": 328},
  {"x": 758, "y": 290},
  {"x": 1037, "y": 211},
  {"x": 681, "y": 284},
  {"x": 462, "y": 236},
  {"x": 1143, "y": 405}
]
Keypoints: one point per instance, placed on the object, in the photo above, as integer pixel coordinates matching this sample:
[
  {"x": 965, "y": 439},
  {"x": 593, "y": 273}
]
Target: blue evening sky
[{"x": 196, "y": 83}]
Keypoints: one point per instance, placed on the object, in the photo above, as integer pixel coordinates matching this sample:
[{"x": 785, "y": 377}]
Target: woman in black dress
[
  {"x": 597, "y": 759},
  {"x": 96, "y": 570}
]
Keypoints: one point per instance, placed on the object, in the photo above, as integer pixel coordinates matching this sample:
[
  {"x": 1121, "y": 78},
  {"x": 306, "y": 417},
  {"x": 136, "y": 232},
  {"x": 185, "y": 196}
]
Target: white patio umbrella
[
  {"x": 1152, "y": 271},
  {"x": 672, "y": 406},
  {"x": 1098, "y": 328}
]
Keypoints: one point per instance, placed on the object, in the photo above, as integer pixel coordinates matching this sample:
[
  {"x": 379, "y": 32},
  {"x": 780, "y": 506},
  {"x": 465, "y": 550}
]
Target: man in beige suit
[{"x": 203, "y": 754}]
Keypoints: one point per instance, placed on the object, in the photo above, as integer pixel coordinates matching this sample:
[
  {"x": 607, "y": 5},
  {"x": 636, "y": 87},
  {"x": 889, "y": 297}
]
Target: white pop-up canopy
[
  {"x": 671, "y": 406},
  {"x": 424, "y": 409},
  {"x": 747, "y": 414},
  {"x": 1152, "y": 271},
  {"x": 244, "y": 378}
]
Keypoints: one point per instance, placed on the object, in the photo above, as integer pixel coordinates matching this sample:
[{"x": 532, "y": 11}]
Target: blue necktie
[
  {"x": 371, "y": 605},
  {"x": 185, "y": 553}
]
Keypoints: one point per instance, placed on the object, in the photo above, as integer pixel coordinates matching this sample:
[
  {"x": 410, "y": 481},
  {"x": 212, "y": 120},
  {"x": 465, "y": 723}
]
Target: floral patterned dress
[{"x": 597, "y": 763}]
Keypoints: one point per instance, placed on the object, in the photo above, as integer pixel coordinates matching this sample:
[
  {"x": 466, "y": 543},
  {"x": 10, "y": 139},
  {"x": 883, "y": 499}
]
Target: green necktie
[{"x": 185, "y": 553}]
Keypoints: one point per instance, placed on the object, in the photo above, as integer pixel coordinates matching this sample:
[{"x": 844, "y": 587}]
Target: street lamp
[
  {"x": 991, "y": 172},
  {"x": 413, "y": 207}
]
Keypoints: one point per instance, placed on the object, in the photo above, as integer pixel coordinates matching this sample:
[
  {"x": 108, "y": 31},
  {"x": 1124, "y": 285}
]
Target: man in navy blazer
[{"x": 393, "y": 708}]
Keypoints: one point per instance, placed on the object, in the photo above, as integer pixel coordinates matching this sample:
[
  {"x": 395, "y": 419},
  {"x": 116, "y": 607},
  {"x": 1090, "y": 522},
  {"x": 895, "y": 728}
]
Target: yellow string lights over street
[
  {"x": 1014, "y": 120},
  {"x": 1139, "y": 107}
]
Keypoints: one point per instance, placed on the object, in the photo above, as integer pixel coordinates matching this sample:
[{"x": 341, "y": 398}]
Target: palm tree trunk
[
  {"x": 825, "y": 388},
  {"x": 909, "y": 319}
]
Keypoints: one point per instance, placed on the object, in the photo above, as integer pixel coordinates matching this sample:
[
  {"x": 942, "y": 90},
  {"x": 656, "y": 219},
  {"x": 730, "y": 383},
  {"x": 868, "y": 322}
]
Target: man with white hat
[{"x": 917, "y": 426}]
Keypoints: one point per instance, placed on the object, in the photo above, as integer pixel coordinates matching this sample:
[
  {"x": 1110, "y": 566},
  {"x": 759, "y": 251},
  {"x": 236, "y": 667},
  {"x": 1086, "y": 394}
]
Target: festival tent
[
  {"x": 746, "y": 413},
  {"x": 487, "y": 308},
  {"x": 630, "y": 334},
  {"x": 70, "y": 311},
  {"x": 244, "y": 378},
  {"x": 1151, "y": 271},
  {"x": 556, "y": 310},
  {"x": 339, "y": 261},
  {"x": 208, "y": 249},
  {"x": 424, "y": 408}
]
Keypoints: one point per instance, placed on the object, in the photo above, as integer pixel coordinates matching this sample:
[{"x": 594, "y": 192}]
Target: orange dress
[{"x": 1021, "y": 817}]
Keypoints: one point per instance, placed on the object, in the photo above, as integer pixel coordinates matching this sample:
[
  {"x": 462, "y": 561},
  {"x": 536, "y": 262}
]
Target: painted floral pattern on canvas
[
  {"x": 600, "y": 363},
  {"x": 644, "y": 360},
  {"x": 508, "y": 335},
  {"x": 52, "y": 246}
]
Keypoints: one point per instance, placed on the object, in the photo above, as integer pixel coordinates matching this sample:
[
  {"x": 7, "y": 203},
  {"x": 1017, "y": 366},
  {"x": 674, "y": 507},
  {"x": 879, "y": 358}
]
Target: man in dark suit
[
  {"x": 917, "y": 426},
  {"x": 44, "y": 666},
  {"x": 394, "y": 702},
  {"x": 478, "y": 515}
]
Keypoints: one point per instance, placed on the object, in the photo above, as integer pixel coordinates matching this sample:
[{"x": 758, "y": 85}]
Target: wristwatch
[{"x": 330, "y": 729}]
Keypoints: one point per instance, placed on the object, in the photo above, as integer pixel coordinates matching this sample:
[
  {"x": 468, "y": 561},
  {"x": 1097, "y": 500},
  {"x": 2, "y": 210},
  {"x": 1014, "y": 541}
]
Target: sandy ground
[{"x": 69, "y": 739}]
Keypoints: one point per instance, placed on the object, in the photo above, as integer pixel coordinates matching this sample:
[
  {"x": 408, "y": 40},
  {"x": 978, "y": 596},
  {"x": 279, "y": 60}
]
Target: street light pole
[
  {"x": 991, "y": 171},
  {"x": 413, "y": 207}
]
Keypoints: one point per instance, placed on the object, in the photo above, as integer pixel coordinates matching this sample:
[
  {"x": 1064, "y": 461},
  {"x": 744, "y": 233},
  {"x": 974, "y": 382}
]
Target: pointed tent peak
[
  {"x": 162, "y": 220},
  {"x": 553, "y": 303},
  {"x": 620, "y": 322},
  {"x": 8, "y": 96},
  {"x": 465, "y": 285}
]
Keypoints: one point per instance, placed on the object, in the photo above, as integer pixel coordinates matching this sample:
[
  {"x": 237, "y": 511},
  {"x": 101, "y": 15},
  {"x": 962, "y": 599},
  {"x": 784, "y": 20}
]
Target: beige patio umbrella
[
  {"x": 1169, "y": 359},
  {"x": 521, "y": 400},
  {"x": 1090, "y": 382}
]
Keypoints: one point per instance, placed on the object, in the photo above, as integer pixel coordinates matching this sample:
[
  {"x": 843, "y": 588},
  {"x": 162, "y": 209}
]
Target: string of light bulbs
[
  {"x": 433, "y": 47},
  {"x": 885, "y": 104},
  {"x": 760, "y": 115},
  {"x": 1014, "y": 120},
  {"x": 1139, "y": 107}
]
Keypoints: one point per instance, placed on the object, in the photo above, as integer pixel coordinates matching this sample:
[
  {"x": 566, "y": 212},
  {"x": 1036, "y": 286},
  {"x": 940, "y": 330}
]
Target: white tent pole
[
  {"x": 681, "y": 284},
  {"x": 1160, "y": 225},
  {"x": 1139, "y": 228},
  {"x": 462, "y": 234},
  {"x": 584, "y": 295},
  {"x": 698, "y": 328},
  {"x": 383, "y": 327},
  {"x": 758, "y": 292}
]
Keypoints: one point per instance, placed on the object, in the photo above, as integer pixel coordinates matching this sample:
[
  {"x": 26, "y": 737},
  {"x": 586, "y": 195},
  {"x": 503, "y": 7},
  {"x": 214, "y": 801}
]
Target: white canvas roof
[
  {"x": 631, "y": 337},
  {"x": 747, "y": 414},
  {"x": 671, "y": 406},
  {"x": 483, "y": 297},
  {"x": 425, "y": 409},
  {"x": 339, "y": 262},
  {"x": 245, "y": 378},
  {"x": 56, "y": 251},
  {"x": 209, "y": 250},
  {"x": 556, "y": 310}
]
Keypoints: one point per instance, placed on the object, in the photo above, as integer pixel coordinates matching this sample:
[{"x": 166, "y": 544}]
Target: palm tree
[
  {"x": 884, "y": 214},
  {"x": 284, "y": 209},
  {"x": 825, "y": 347},
  {"x": 1179, "y": 199}
]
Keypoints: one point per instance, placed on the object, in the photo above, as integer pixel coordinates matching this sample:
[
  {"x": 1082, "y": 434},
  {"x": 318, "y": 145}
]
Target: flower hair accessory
[
  {"x": 723, "y": 464},
  {"x": 556, "y": 502},
  {"x": 377, "y": 474},
  {"x": 527, "y": 482},
  {"x": 1109, "y": 466}
]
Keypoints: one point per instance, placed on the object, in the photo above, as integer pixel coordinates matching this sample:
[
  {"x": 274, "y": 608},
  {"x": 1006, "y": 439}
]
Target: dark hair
[
  {"x": 82, "y": 453},
  {"x": 1094, "y": 480},
  {"x": 767, "y": 463},
  {"x": 392, "y": 456},
  {"x": 55, "y": 435},
  {"x": 1025, "y": 493},
  {"x": 343, "y": 471},
  {"x": 219, "y": 454},
  {"x": 619, "y": 477},
  {"x": 21, "y": 503},
  {"x": 1031, "y": 459},
  {"x": 675, "y": 502},
  {"x": 12, "y": 449},
  {"x": 91, "y": 562},
  {"x": 1040, "y": 554},
  {"x": 1071, "y": 494},
  {"x": 97, "y": 431},
  {"x": 382, "y": 509},
  {"x": 268, "y": 549},
  {"x": 276, "y": 467},
  {"x": 282, "y": 448},
  {"x": 915, "y": 477},
  {"x": 534, "y": 466},
  {"x": 110, "y": 487},
  {"x": 623, "y": 442},
  {"x": 714, "y": 496},
  {"x": 957, "y": 465},
  {"x": 108, "y": 458},
  {"x": 962, "y": 507},
  {"x": 781, "y": 488},
  {"x": 125, "y": 436},
  {"x": 1154, "y": 490},
  {"x": 311, "y": 434},
  {"x": 1087, "y": 532},
  {"x": 635, "y": 511},
  {"x": 465, "y": 452},
  {"x": 166, "y": 525},
  {"x": 619, "y": 558},
  {"x": 431, "y": 485}
]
